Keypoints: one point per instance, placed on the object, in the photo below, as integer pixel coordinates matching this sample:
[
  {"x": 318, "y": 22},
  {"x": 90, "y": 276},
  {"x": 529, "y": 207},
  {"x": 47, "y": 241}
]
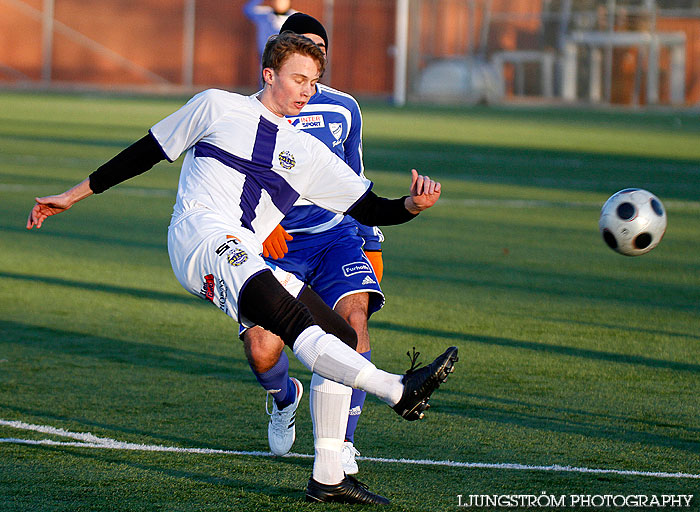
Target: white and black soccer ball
[{"x": 632, "y": 221}]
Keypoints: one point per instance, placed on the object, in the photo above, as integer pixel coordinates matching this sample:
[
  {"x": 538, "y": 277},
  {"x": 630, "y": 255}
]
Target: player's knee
[
  {"x": 262, "y": 348},
  {"x": 357, "y": 318}
]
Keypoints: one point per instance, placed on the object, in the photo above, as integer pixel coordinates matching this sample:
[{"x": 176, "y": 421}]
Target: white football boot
[
  {"x": 347, "y": 458},
  {"x": 281, "y": 431}
]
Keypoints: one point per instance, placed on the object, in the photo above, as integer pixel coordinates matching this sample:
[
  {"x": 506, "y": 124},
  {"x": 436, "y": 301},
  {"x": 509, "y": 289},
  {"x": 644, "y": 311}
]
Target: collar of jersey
[{"x": 264, "y": 111}]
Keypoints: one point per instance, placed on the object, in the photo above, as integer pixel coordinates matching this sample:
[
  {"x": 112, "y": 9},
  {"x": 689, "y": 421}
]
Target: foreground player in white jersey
[
  {"x": 244, "y": 167},
  {"x": 324, "y": 250}
]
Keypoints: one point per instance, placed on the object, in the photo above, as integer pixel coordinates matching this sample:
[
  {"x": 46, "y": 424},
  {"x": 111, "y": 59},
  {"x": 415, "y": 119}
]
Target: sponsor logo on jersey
[
  {"x": 230, "y": 241},
  {"x": 208, "y": 291},
  {"x": 236, "y": 257},
  {"x": 337, "y": 132},
  {"x": 208, "y": 288},
  {"x": 285, "y": 280},
  {"x": 287, "y": 160},
  {"x": 368, "y": 280},
  {"x": 358, "y": 267},
  {"x": 312, "y": 121}
]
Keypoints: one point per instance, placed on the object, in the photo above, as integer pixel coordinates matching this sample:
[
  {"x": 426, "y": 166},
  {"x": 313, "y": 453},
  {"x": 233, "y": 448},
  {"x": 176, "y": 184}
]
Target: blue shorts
[{"x": 333, "y": 264}]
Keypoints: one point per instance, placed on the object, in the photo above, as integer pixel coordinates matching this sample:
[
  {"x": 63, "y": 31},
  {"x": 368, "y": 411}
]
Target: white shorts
[{"x": 215, "y": 260}]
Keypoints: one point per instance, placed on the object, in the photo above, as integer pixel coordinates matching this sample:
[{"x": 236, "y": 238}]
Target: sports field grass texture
[{"x": 579, "y": 368}]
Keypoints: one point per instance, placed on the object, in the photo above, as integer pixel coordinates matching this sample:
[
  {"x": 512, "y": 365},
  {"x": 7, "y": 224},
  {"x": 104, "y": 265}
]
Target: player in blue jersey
[
  {"x": 268, "y": 19},
  {"x": 325, "y": 251}
]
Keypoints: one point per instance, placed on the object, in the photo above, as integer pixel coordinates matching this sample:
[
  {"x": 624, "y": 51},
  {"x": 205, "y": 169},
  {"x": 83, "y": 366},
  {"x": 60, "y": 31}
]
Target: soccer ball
[{"x": 632, "y": 221}]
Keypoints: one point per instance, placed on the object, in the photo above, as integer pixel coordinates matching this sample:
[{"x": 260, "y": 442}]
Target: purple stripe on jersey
[
  {"x": 250, "y": 199},
  {"x": 265, "y": 141},
  {"x": 258, "y": 173},
  {"x": 282, "y": 194},
  {"x": 263, "y": 150}
]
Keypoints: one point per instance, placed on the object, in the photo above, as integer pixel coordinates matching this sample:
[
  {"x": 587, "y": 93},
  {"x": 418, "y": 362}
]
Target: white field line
[
  {"x": 521, "y": 204},
  {"x": 128, "y": 191},
  {"x": 515, "y": 204},
  {"x": 87, "y": 440},
  {"x": 504, "y": 159},
  {"x": 500, "y": 158}
]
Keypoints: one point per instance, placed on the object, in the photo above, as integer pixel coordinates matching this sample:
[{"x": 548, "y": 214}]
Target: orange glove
[
  {"x": 375, "y": 258},
  {"x": 275, "y": 245}
]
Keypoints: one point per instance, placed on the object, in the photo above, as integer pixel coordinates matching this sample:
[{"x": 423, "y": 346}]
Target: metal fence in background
[
  {"x": 628, "y": 52},
  {"x": 633, "y": 52}
]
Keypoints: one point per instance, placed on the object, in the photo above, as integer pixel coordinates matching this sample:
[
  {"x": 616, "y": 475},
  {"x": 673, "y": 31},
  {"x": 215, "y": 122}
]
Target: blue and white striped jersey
[{"x": 334, "y": 118}]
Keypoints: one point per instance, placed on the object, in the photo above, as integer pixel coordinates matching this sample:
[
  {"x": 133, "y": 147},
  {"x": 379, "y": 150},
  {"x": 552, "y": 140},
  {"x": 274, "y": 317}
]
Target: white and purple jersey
[
  {"x": 250, "y": 166},
  {"x": 334, "y": 118}
]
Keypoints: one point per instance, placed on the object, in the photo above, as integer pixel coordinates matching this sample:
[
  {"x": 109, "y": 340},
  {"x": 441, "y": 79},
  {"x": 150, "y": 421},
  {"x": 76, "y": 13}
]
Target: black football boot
[
  {"x": 349, "y": 490},
  {"x": 419, "y": 383}
]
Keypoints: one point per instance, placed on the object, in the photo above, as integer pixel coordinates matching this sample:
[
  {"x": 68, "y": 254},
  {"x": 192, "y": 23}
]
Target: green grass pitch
[{"x": 571, "y": 355}]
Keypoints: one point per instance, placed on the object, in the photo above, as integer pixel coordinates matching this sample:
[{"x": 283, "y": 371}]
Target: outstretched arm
[
  {"x": 372, "y": 210},
  {"x": 51, "y": 205},
  {"x": 134, "y": 160}
]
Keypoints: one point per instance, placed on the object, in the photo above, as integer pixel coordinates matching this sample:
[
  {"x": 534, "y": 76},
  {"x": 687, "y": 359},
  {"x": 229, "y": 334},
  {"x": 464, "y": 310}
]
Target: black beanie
[{"x": 301, "y": 23}]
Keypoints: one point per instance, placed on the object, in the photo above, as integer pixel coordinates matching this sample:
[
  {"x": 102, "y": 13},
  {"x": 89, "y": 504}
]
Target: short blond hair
[{"x": 282, "y": 46}]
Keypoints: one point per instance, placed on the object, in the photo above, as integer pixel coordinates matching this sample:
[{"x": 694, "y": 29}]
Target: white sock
[
  {"x": 388, "y": 387},
  {"x": 330, "y": 407},
  {"x": 326, "y": 355}
]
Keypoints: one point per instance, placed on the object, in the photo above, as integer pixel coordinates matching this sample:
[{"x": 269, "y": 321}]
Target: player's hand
[
  {"x": 51, "y": 205},
  {"x": 45, "y": 207},
  {"x": 275, "y": 245},
  {"x": 424, "y": 193},
  {"x": 375, "y": 259}
]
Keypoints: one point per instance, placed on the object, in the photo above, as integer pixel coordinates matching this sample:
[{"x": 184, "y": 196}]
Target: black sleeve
[
  {"x": 134, "y": 160},
  {"x": 373, "y": 210}
]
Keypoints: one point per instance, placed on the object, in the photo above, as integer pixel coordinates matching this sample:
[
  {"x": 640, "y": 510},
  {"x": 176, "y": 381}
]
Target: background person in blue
[
  {"x": 325, "y": 251},
  {"x": 268, "y": 19}
]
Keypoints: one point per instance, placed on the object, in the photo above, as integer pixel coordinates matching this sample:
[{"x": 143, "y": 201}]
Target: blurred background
[{"x": 623, "y": 52}]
